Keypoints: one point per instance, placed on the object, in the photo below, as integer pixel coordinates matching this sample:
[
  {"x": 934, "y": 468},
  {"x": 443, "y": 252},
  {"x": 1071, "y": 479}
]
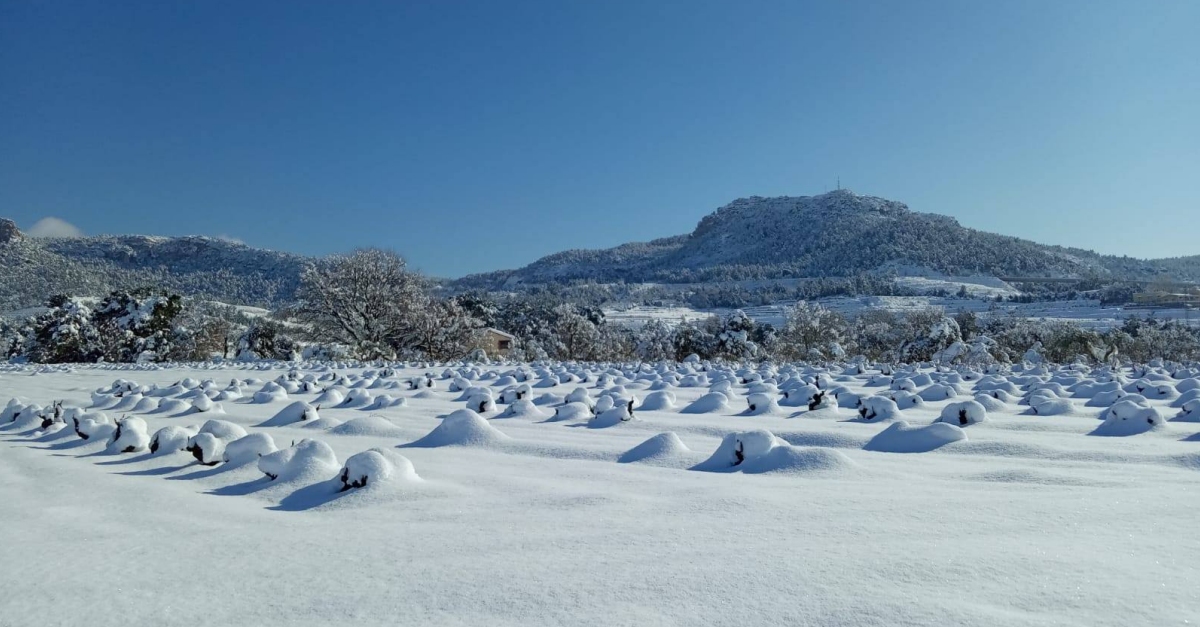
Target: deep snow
[{"x": 529, "y": 520}]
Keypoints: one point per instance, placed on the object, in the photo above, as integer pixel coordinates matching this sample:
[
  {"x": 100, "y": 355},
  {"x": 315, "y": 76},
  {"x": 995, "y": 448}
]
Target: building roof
[{"x": 501, "y": 333}]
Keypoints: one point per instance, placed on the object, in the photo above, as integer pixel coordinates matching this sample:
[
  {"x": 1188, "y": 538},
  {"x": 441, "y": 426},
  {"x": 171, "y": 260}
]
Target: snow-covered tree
[
  {"x": 734, "y": 335},
  {"x": 267, "y": 339},
  {"x": 445, "y": 330},
  {"x": 928, "y": 332},
  {"x": 65, "y": 333},
  {"x": 140, "y": 325},
  {"x": 368, "y": 300},
  {"x": 577, "y": 335},
  {"x": 655, "y": 341},
  {"x": 810, "y": 330},
  {"x": 215, "y": 327}
]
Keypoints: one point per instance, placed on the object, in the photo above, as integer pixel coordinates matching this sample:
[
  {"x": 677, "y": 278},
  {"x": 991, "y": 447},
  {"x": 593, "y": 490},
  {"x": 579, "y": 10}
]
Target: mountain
[
  {"x": 33, "y": 269},
  {"x": 831, "y": 235},
  {"x": 835, "y": 234}
]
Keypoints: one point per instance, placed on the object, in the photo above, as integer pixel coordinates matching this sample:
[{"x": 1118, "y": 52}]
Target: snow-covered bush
[
  {"x": 963, "y": 413},
  {"x": 877, "y": 409},
  {"x": 171, "y": 439},
  {"x": 207, "y": 448},
  {"x": 307, "y": 459},
  {"x": 130, "y": 436},
  {"x": 1128, "y": 418},
  {"x": 375, "y": 466},
  {"x": 248, "y": 448}
]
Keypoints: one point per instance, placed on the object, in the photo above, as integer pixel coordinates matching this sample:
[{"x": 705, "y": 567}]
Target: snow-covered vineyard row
[{"x": 690, "y": 493}]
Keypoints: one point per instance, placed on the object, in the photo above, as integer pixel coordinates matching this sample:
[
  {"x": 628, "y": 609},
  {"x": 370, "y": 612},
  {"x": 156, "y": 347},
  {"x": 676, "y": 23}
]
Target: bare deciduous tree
[{"x": 368, "y": 300}]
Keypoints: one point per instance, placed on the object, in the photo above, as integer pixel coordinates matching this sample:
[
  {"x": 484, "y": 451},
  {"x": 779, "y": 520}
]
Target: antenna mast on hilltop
[{"x": 839, "y": 183}]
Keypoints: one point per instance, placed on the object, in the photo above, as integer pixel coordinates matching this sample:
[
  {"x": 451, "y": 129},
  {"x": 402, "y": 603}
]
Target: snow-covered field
[
  {"x": 1086, "y": 313},
  {"x": 527, "y": 518}
]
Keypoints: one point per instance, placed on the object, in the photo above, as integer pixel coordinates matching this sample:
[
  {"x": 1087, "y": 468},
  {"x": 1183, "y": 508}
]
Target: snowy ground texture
[{"x": 1041, "y": 497}]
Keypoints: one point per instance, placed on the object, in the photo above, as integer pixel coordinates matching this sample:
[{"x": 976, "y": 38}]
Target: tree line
[{"x": 369, "y": 305}]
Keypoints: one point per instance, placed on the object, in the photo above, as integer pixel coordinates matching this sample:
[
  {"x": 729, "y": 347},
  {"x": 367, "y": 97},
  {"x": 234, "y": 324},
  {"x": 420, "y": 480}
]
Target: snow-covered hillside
[
  {"x": 284, "y": 494},
  {"x": 838, "y": 233},
  {"x": 33, "y": 269}
]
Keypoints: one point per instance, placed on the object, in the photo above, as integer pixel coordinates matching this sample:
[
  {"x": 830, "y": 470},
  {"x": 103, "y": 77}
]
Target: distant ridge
[
  {"x": 839, "y": 233},
  {"x": 32, "y": 269},
  {"x": 831, "y": 235}
]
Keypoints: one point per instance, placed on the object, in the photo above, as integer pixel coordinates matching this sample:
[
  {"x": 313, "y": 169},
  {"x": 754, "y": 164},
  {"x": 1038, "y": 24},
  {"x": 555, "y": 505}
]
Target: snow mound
[
  {"x": 29, "y": 417},
  {"x": 481, "y": 403},
  {"x": 579, "y": 395},
  {"x": 321, "y": 424},
  {"x": 248, "y": 449},
  {"x": 823, "y": 400},
  {"x": 223, "y": 429},
  {"x": 1190, "y": 412},
  {"x": 603, "y": 404},
  {"x": 1047, "y": 406},
  {"x": 330, "y": 398},
  {"x": 173, "y": 406},
  {"x": 907, "y": 400},
  {"x": 130, "y": 436},
  {"x": 990, "y": 403},
  {"x": 305, "y": 460},
  {"x": 271, "y": 395},
  {"x": 94, "y": 427},
  {"x": 207, "y": 448},
  {"x": 171, "y": 439},
  {"x": 549, "y": 399},
  {"x": 938, "y": 392},
  {"x": 571, "y": 411},
  {"x": 963, "y": 413},
  {"x": 127, "y": 403},
  {"x": 204, "y": 404},
  {"x": 462, "y": 428},
  {"x": 761, "y": 405},
  {"x": 374, "y": 467},
  {"x": 298, "y": 411},
  {"x": 10, "y": 411},
  {"x": 900, "y": 437},
  {"x": 760, "y": 452},
  {"x": 1127, "y": 418},
  {"x": 387, "y": 401},
  {"x": 620, "y": 413},
  {"x": 146, "y": 405},
  {"x": 658, "y": 401},
  {"x": 710, "y": 403},
  {"x": 228, "y": 395},
  {"x": 660, "y": 449},
  {"x": 357, "y": 398},
  {"x": 799, "y": 460},
  {"x": 736, "y": 448},
  {"x": 877, "y": 409},
  {"x": 375, "y": 426},
  {"x": 1159, "y": 391},
  {"x": 523, "y": 408},
  {"x": 1187, "y": 385}
]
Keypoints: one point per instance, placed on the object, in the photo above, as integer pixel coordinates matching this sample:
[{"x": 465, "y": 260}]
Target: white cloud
[{"x": 54, "y": 227}]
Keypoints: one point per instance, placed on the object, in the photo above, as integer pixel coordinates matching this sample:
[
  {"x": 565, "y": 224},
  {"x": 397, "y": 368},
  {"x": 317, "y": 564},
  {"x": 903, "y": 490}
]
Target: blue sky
[{"x": 479, "y": 136}]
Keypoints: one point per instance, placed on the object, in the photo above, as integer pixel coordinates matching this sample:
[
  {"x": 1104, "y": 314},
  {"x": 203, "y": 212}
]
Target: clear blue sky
[{"x": 479, "y": 136}]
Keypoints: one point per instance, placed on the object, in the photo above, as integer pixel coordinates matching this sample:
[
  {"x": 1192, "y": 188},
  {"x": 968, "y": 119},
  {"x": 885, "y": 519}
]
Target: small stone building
[{"x": 497, "y": 342}]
